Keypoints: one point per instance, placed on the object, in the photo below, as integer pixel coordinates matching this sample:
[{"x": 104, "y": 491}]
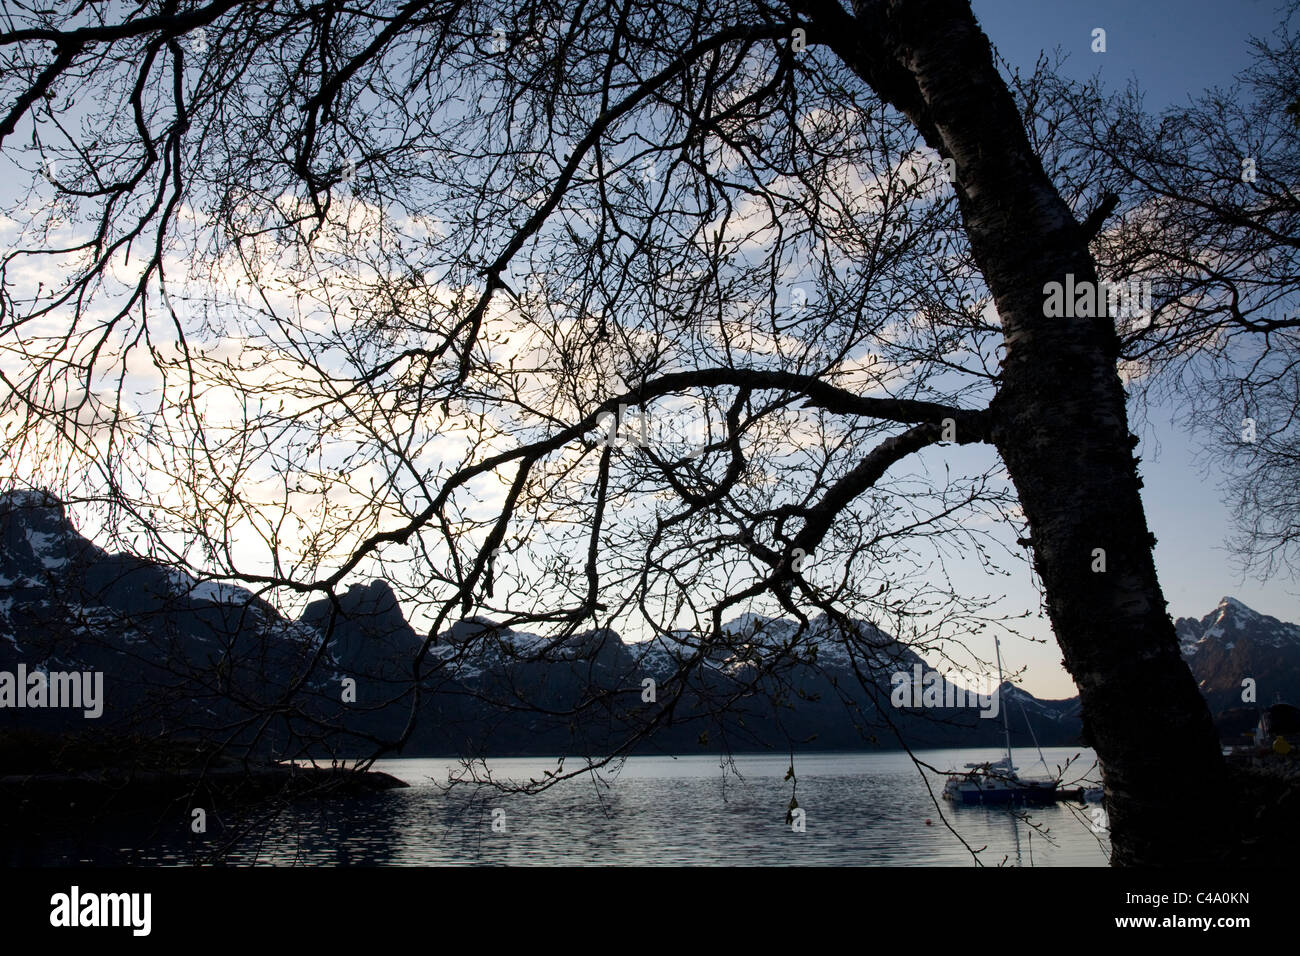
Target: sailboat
[{"x": 997, "y": 781}]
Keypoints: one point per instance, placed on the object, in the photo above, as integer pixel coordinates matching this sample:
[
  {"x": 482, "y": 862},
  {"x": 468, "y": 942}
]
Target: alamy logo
[
  {"x": 56, "y": 689},
  {"x": 923, "y": 688},
  {"x": 75, "y": 908},
  {"x": 1085, "y": 300},
  {"x": 684, "y": 433}
]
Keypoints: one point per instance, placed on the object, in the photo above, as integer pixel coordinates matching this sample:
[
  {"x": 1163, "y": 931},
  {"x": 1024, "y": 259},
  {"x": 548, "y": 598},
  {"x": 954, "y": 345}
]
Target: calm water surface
[{"x": 861, "y": 809}]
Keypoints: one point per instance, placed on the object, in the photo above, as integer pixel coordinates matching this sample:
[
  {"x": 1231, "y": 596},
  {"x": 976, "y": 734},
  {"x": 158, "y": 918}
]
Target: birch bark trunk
[{"x": 1060, "y": 425}]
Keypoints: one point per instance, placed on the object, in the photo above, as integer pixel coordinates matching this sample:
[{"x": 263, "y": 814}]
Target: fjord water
[{"x": 860, "y": 809}]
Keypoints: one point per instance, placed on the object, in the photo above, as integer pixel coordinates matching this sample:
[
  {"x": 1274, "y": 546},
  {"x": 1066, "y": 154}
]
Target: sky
[{"x": 1173, "y": 49}]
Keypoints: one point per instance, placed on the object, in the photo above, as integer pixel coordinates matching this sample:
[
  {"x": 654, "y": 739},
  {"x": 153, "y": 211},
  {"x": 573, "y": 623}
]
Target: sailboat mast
[{"x": 1002, "y": 704}]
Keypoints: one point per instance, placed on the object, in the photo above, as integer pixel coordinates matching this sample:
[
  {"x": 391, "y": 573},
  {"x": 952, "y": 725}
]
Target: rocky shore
[{"x": 49, "y": 777}]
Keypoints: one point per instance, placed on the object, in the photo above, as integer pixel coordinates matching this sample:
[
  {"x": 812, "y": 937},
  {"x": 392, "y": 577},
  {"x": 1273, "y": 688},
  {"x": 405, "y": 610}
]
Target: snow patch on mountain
[
  {"x": 214, "y": 592},
  {"x": 664, "y": 655},
  {"x": 1230, "y": 622},
  {"x": 45, "y": 548},
  {"x": 823, "y": 642}
]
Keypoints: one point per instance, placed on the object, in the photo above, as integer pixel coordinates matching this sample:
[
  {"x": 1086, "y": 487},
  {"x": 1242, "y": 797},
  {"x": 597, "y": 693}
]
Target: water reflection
[{"x": 862, "y": 809}]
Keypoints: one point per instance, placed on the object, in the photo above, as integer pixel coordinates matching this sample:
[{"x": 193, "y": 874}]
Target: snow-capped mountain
[
  {"x": 173, "y": 651},
  {"x": 823, "y": 644},
  {"x": 1233, "y": 643}
]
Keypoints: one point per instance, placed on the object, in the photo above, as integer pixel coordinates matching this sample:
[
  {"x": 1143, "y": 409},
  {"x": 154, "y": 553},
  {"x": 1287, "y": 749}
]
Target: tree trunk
[{"x": 1061, "y": 428}]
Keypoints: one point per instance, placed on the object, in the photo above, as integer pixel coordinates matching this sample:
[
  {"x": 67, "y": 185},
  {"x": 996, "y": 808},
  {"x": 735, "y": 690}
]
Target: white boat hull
[{"x": 986, "y": 788}]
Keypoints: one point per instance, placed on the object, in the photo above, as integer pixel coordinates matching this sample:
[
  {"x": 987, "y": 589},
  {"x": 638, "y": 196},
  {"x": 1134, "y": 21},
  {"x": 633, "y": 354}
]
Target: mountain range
[{"x": 211, "y": 661}]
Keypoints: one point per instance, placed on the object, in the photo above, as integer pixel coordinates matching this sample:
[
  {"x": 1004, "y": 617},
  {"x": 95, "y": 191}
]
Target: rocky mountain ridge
[{"x": 208, "y": 659}]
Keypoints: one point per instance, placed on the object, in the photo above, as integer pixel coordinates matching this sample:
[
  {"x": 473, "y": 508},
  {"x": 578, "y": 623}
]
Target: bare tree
[{"x": 421, "y": 291}]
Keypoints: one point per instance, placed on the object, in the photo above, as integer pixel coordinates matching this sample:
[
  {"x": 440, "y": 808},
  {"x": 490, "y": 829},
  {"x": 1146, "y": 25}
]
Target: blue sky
[{"x": 1173, "y": 49}]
